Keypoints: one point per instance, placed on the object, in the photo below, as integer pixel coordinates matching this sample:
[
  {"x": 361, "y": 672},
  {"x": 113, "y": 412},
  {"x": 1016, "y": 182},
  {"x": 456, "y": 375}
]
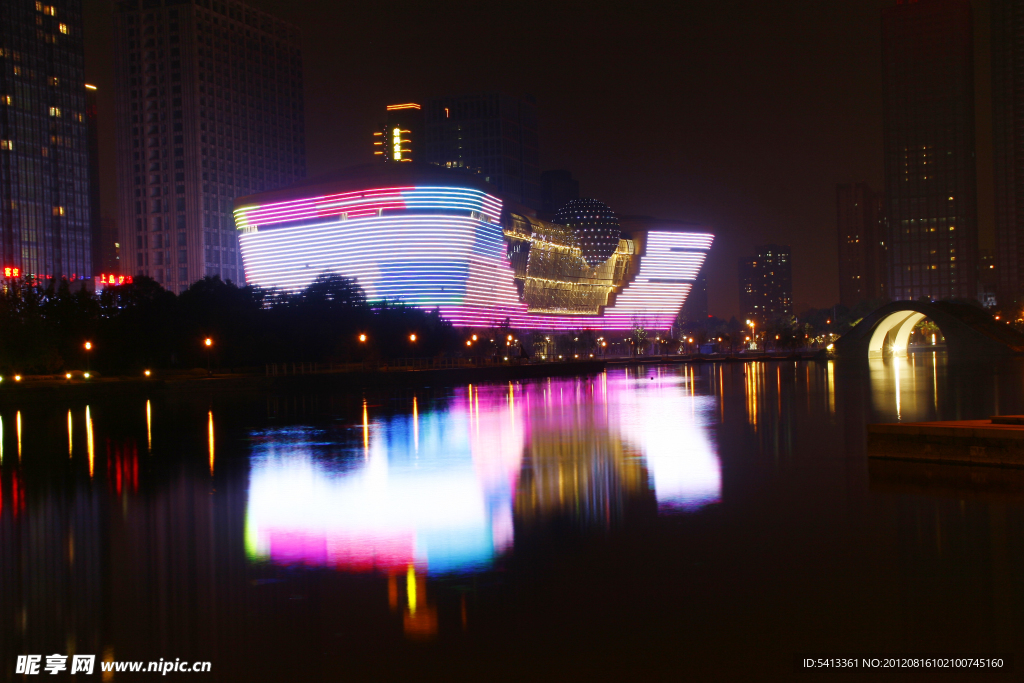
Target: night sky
[{"x": 739, "y": 115}]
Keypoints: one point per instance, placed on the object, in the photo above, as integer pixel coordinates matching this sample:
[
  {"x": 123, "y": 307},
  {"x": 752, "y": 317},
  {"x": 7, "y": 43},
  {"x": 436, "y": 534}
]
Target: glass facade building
[
  {"x": 493, "y": 135},
  {"x": 1008, "y": 153},
  {"x": 766, "y": 284},
  {"x": 209, "y": 108},
  {"x": 928, "y": 116},
  {"x": 45, "y": 227},
  {"x": 863, "y": 235}
]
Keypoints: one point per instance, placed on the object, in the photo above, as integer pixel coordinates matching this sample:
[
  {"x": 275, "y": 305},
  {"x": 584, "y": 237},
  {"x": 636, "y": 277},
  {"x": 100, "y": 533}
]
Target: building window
[{"x": 55, "y": 111}]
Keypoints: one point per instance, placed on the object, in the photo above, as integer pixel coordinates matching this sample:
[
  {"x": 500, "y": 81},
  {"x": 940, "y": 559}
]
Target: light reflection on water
[{"x": 439, "y": 489}]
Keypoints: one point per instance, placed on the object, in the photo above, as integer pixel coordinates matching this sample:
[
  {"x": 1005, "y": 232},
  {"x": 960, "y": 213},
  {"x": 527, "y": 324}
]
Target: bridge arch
[{"x": 970, "y": 332}]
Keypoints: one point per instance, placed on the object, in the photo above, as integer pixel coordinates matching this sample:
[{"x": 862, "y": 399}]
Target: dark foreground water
[{"x": 703, "y": 522}]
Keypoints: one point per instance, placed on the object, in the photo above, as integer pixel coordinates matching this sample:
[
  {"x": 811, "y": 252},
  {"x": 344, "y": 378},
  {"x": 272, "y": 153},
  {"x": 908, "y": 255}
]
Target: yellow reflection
[
  {"x": 149, "y": 427},
  {"x": 17, "y": 419},
  {"x": 410, "y": 588},
  {"x": 750, "y": 386},
  {"x": 366, "y": 432},
  {"x": 896, "y": 374},
  {"x": 209, "y": 428},
  {"x": 935, "y": 382},
  {"x": 831, "y": 387},
  {"x": 88, "y": 438},
  {"x": 1, "y": 441},
  {"x": 69, "y": 433},
  {"x": 415, "y": 425}
]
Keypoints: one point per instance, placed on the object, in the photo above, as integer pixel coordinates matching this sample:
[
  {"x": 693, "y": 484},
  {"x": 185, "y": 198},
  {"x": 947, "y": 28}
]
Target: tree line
[{"x": 136, "y": 326}]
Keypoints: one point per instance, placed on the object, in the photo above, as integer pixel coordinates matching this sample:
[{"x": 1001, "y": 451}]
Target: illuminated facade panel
[{"x": 449, "y": 248}]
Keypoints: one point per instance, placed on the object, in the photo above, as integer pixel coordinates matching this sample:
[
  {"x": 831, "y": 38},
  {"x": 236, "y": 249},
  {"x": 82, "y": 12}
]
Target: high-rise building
[
  {"x": 491, "y": 134},
  {"x": 766, "y": 284},
  {"x": 400, "y": 137},
  {"x": 1008, "y": 149},
  {"x": 558, "y": 188},
  {"x": 44, "y": 156},
  {"x": 104, "y": 230},
  {"x": 930, "y": 187},
  {"x": 209, "y": 108},
  {"x": 863, "y": 267}
]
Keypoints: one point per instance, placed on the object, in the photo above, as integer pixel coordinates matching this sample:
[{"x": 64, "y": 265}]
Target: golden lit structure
[{"x": 551, "y": 274}]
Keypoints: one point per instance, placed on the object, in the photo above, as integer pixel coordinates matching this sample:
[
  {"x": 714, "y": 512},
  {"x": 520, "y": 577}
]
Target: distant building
[
  {"x": 766, "y": 284},
  {"x": 558, "y": 188},
  {"x": 928, "y": 115},
  {"x": 988, "y": 278},
  {"x": 44, "y": 151},
  {"x": 1008, "y": 149},
  {"x": 863, "y": 265},
  {"x": 492, "y": 135},
  {"x": 400, "y": 138},
  {"x": 209, "y": 108}
]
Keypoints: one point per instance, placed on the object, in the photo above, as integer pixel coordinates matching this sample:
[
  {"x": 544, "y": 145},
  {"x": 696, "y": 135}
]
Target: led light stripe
[{"x": 457, "y": 263}]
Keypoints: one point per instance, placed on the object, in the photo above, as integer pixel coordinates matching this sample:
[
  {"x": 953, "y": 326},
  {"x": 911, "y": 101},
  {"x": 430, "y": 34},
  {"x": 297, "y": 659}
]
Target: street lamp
[
  {"x": 362, "y": 338},
  {"x": 412, "y": 337},
  {"x": 88, "y": 358},
  {"x": 208, "y": 343}
]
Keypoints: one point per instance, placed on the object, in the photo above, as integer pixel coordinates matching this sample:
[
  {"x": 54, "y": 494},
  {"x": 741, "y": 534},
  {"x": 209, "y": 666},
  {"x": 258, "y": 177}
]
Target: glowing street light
[
  {"x": 209, "y": 344},
  {"x": 412, "y": 337},
  {"x": 88, "y": 357},
  {"x": 146, "y": 373},
  {"x": 362, "y": 338},
  {"x": 474, "y": 337}
]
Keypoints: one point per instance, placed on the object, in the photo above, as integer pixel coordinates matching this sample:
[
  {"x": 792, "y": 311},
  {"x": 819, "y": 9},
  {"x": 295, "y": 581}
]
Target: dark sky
[{"x": 738, "y": 114}]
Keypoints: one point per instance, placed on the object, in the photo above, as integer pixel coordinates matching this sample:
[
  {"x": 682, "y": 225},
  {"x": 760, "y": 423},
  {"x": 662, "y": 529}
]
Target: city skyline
[{"x": 756, "y": 161}]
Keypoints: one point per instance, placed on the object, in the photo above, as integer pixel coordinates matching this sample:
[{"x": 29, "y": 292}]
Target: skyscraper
[
  {"x": 930, "y": 188},
  {"x": 1008, "y": 148},
  {"x": 766, "y": 284},
  {"x": 209, "y": 108},
  {"x": 44, "y": 159},
  {"x": 491, "y": 134},
  {"x": 863, "y": 266},
  {"x": 400, "y": 138}
]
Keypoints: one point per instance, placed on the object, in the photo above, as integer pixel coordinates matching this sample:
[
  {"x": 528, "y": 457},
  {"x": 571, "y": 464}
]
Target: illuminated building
[
  {"x": 209, "y": 107},
  {"x": 766, "y": 284},
  {"x": 401, "y": 136},
  {"x": 863, "y": 266},
  {"x": 44, "y": 160},
  {"x": 928, "y": 119},
  {"x": 430, "y": 237},
  {"x": 1008, "y": 152},
  {"x": 493, "y": 135}
]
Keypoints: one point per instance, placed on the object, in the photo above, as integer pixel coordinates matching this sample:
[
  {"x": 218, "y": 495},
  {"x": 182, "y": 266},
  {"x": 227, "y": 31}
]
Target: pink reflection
[{"x": 443, "y": 490}]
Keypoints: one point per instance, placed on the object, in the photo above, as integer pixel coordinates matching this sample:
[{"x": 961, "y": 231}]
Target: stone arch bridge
[{"x": 970, "y": 332}]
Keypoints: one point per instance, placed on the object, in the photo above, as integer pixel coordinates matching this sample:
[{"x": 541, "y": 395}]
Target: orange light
[
  {"x": 474, "y": 337},
  {"x": 67, "y": 375},
  {"x": 362, "y": 337},
  {"x": 88, "y": 346},
  {"x": 510, "y": 337},
  {"x": 146, "y": 373},
  {"x": 208, "y": 341},
  {"x": 17, "y": 378},
  {"x": 396, "y": 107},
  {"x": 412, "y": 337},
  {"x": 469, "y": 343}
]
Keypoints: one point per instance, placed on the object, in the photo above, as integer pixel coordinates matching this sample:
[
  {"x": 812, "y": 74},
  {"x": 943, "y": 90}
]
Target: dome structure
[{"x": 595, "y": 226}]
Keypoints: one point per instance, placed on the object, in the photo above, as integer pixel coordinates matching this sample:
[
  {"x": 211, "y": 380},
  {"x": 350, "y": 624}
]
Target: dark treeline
[{"x": 141, "y": 325}]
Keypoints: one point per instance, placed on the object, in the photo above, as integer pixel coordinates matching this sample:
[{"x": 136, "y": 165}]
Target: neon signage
[
  {"x": 12, "y": 272},
  {"x": 111, "y": 279}
]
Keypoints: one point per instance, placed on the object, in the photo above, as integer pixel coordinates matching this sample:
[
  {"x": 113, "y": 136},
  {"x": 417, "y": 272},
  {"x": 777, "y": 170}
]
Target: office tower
[
  {"x": 863, "y": 267},
  {"x": 103, "y": 230},
  {"x": 44, "y": 156},
  {"x": 928, "y": 115},
  {"x": 209, "y": 108},
  {"x": 766, "y": 284},
  {"x": 558, "y": 188},
  {"x": 491, "y": 134},
  {"x": 988, "y": 278},
  {"x": 1008, "y": 148},
  {"x": 400, "y": 137}
]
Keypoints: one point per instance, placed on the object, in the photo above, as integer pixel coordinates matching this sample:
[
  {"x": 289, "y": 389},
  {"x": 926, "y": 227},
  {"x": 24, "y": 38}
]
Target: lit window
[
  {"x": 54, "y": 80},
  {"x": 63, "y": 28},
  {"x": 39, "y": 7},
  {"x": 54, "y": 111},
  {"x": 6, "y": 144},
  {"x": 58, "y": 211},
  {"x": 5, "y": 99}
]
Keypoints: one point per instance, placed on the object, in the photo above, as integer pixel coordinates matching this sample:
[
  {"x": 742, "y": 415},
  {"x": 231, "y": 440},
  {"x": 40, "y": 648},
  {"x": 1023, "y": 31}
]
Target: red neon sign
[
  {"x": 111, "y": 279},
  {"x": 12, "y": 272}
]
